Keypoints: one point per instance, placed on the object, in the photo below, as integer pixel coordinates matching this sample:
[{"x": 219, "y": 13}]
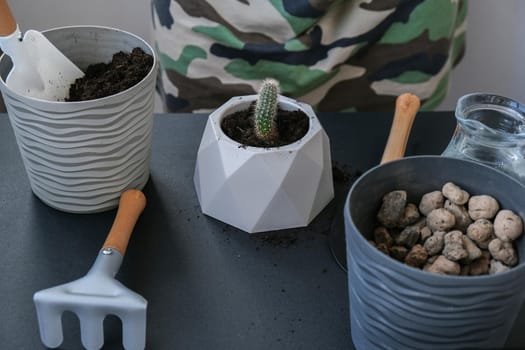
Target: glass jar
[{"x": 490, "y": 130}]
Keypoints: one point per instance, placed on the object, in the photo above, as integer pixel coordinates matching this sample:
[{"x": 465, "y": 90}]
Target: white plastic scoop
[{"x": 39, "y": 70}]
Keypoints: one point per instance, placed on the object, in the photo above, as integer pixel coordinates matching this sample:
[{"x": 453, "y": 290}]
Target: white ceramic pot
[
  {"x": 80, "y": 156},
  {"x": 261, "y": 189}
]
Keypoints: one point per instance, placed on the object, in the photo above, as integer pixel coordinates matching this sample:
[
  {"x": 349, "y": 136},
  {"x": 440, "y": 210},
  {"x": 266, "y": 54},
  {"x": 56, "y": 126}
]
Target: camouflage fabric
[{"x": 337, "y": 55}]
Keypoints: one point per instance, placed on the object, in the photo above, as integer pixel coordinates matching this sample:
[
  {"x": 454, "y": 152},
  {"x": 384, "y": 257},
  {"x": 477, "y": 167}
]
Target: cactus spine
[{"x": 266, "y": 111}]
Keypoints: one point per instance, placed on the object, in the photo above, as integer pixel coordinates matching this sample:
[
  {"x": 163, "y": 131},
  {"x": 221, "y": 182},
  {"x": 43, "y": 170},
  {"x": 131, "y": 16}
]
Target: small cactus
[{"x": 266, "y": 111}]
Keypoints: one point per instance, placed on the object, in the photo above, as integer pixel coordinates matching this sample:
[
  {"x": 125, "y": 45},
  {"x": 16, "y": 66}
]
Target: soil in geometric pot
[{"x": 239, "y": 126}]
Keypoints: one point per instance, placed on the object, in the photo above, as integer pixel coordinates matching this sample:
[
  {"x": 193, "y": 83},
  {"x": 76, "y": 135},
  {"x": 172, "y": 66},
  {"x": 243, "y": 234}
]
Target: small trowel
[{"x": 39, "y": 70}]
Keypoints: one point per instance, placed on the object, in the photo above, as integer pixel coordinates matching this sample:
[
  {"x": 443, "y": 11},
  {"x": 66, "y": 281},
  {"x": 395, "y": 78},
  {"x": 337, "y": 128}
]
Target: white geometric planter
[{"x": 261, "y": 189}]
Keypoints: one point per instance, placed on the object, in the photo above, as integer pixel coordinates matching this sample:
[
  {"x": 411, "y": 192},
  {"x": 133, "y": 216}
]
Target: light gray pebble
[
  {"x": 444, "y": 266},
  {"x": 480, "y": 230},
  {"x": 482, "y": 207},
  {"x": 440, "y": 220},
  {"x": 497, "y": 267},
  {"x": 461, "y": 215},
  {"x": 430, "y": 201},
  {"x": 454, "y": 248},
  {"x": 503, "y": 251},
  {"x": 455, "y": 193},
  {"x": 472, "y": 249},
  {"x": 507, "y": 225}
]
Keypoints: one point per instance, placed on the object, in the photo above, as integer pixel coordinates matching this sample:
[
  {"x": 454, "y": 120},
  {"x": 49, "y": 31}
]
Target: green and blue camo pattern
[{"x": 336, "y": 55}]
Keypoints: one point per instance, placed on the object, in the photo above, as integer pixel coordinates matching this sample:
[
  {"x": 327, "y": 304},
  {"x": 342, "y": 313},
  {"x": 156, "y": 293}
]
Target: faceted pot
[{"x": 261, "y": 189}]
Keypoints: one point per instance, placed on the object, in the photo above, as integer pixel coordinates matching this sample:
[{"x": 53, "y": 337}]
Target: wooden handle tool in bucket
[{"x": 407, "y": 106}]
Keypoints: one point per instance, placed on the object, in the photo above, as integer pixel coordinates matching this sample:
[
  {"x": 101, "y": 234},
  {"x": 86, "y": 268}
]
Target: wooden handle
[
  {"x": 7, "y": 21},
  {"x": 131, "y": 205},
  {"x": 407, "y": 106}
]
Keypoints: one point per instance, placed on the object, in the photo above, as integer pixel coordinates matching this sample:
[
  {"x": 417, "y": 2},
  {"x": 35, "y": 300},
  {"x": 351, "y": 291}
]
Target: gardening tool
[
  {"x": 98, "y": 294},
  {"x": 39, "y": 70},
  {"x": 407, "y": 106}
]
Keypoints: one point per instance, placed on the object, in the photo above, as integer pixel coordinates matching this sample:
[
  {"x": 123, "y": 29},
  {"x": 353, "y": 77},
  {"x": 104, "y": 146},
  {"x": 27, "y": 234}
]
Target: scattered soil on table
[
  {"x": 239, "y": 126},
  {"x": 344, "y": 176},
  {"x": 105, "y": 79},
  {"x": 278, "y": 239}
]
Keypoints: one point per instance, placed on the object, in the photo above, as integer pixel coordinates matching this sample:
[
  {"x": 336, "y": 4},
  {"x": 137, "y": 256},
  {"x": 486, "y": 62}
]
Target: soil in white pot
[
  {"x": 105, "y": 79},
  {"x": 239, "y": 126}
]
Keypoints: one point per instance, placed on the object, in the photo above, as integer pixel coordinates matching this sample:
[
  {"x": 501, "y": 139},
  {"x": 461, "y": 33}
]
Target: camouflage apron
[{"x": 342, "y": 55}]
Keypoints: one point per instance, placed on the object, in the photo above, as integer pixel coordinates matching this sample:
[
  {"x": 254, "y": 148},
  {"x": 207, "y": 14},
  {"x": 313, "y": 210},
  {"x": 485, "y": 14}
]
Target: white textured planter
[
  {"x": 81, "y": 156},
  {"x": 260, "y": 189}
]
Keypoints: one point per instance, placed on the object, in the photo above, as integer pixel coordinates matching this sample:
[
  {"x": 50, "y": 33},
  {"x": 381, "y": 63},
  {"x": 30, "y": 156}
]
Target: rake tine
[
  {"x": 50, "y": 324},
  {"x": 134, "y": 330},
  {"x": 91, "y": 329},
  {"x": 98, "y": 294}
]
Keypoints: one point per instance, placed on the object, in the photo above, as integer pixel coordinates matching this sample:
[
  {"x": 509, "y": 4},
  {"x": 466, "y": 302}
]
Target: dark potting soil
[
  {"x": 105, "y": 79},
  {"x": 239, "y": 126}
]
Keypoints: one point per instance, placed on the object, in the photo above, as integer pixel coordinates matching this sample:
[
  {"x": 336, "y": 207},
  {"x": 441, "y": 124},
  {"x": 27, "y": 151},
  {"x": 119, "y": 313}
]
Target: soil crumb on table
[
  {"x": 343, "y": 174},
  {"x": 278, "y": 239},
  {"x": 105, "y": 79}
]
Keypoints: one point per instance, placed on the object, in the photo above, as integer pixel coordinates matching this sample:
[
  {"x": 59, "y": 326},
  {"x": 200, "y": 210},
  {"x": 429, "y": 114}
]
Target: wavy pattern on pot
[
  {"x": 395, "y": 306},
  {"x": 80, "y": 156}
]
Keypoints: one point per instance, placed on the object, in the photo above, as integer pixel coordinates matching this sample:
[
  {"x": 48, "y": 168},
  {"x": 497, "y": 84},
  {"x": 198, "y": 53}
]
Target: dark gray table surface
[{"x": 208, "y": 285}]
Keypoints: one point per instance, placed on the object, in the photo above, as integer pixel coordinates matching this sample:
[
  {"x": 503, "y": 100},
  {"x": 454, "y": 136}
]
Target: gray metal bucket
[
  {"x": 395, "y": 306},
  {"x": 80, "y": 156}
]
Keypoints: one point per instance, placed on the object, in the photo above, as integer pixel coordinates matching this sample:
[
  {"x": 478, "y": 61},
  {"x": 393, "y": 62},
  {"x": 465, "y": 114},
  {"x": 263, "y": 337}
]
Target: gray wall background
[{"x": 494, "y": 60}]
